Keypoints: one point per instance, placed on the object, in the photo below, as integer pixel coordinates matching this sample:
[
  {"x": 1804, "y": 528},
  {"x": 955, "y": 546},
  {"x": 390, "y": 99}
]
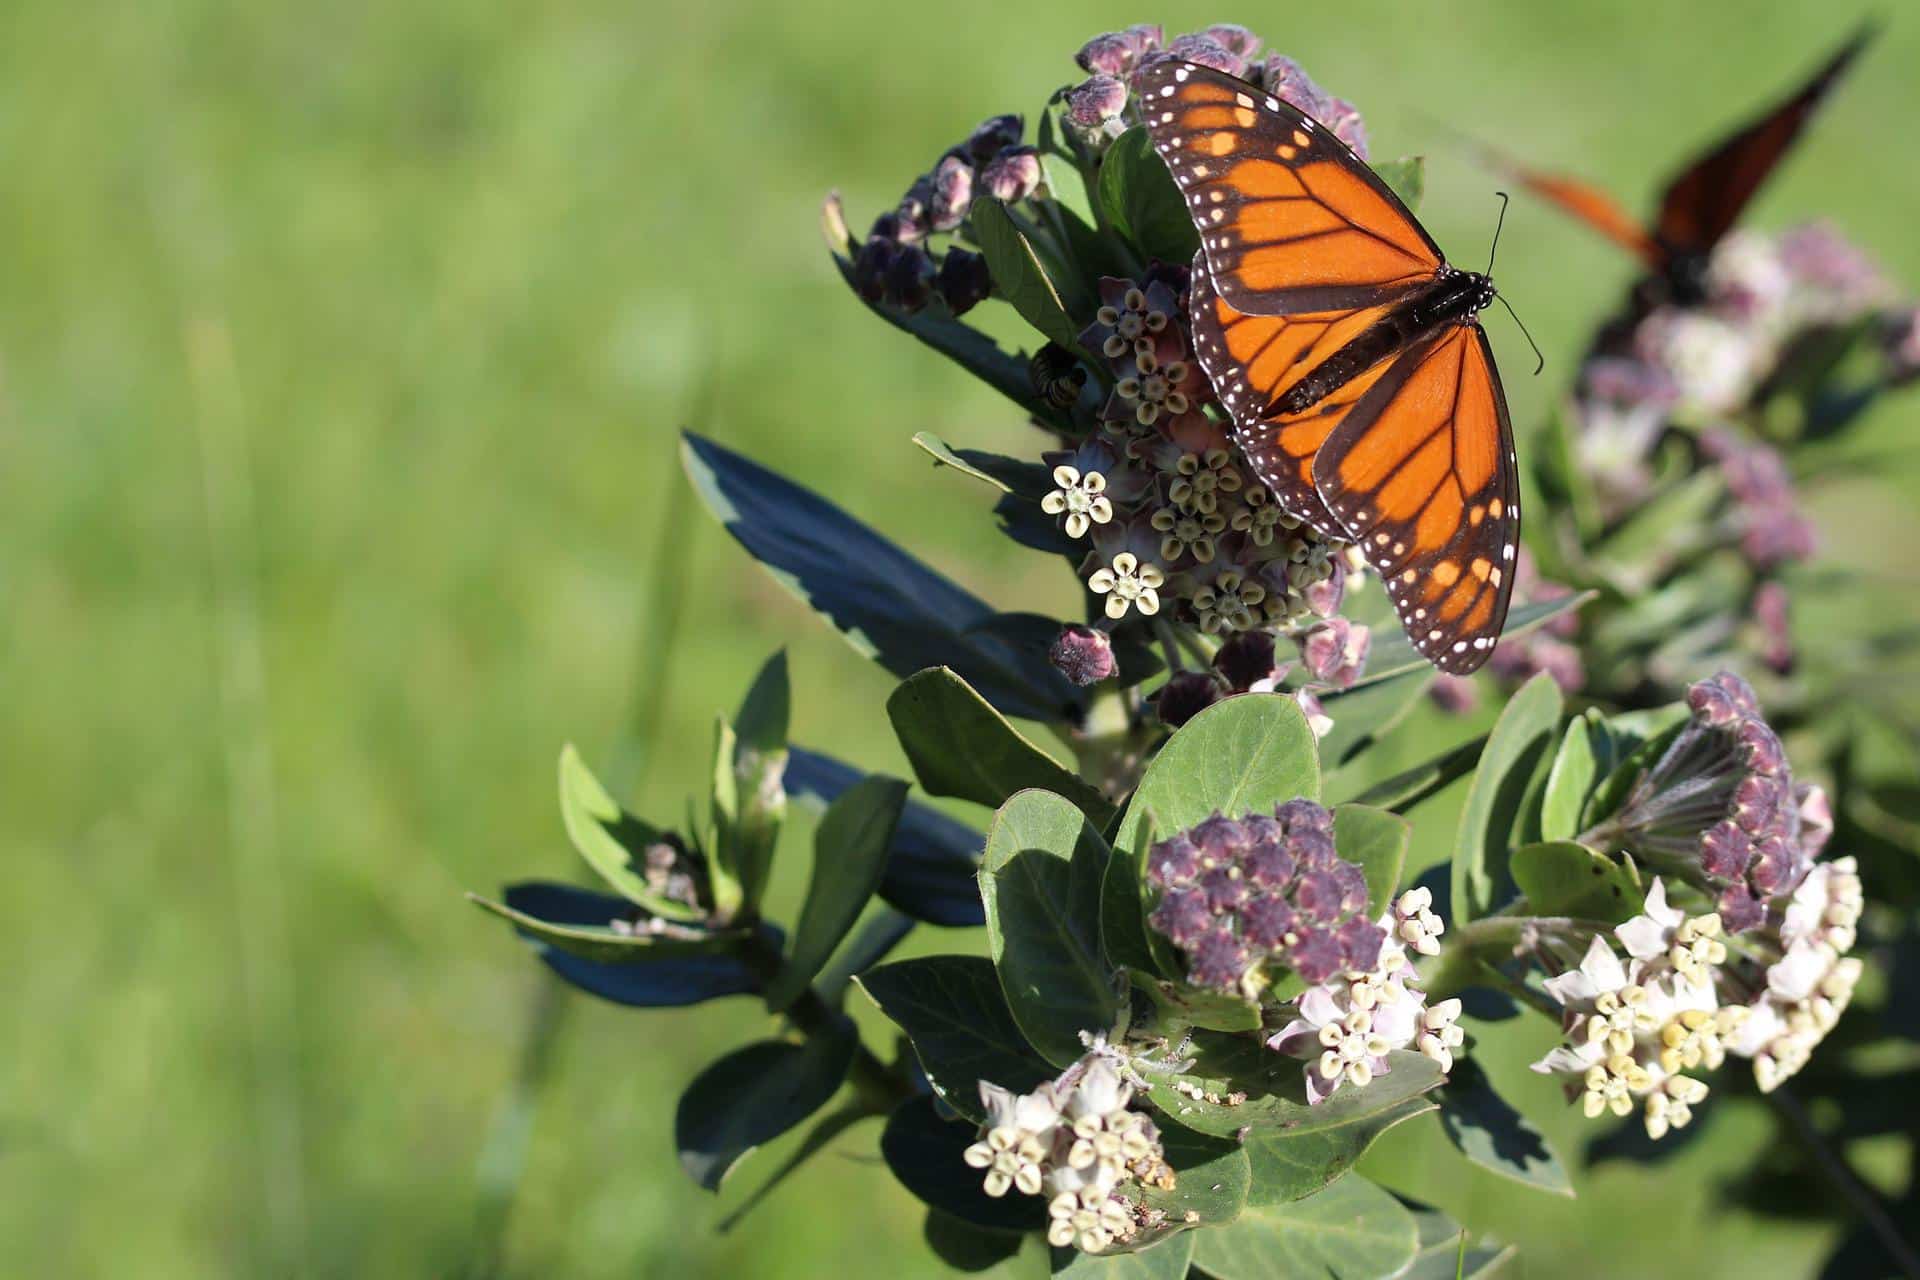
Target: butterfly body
[{"x": 1347, "y": 351}]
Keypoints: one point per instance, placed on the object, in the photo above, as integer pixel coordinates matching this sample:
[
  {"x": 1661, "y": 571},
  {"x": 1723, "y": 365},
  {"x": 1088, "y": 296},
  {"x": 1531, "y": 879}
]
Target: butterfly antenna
[
  {"x": 1501, "y": 222},
  {"x": 1529, "y": 337}
]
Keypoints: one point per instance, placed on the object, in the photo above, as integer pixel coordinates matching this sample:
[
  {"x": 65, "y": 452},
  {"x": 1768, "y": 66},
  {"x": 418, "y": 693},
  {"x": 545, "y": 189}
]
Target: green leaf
[
  {"x": 1561, "y": 878},
  {"x": 1408, "y": 178},
  {"x": 752, "y": 1096},
  {"x": 1410, "y": 787},
  {"x": 1493, "y": 1135},
  {"x": 1123, "y": 917},
  {"x": 818, "y": 1139},
  {"x": 1239, "y": 756},
  {"x": 1008, "y": 475},
  {"x": 1040, "y": 881},
  {"x": 1585, "y": 756},
  {"x": 972, "y": 350},
  {"x": 924, "y": 1151},
  {"x": 953, "y": 1010},
  {"x": 759, "y": 765},
  {"x": 1377, "y": 841},
  {"x": 1638, "y": 549},
  {"x": 849, "y": 857},
  {"x": 1515, "y": 749},
  {"x": 592, "y": 942},
  {"x": 724, "y": 849},
  {"x": 1350, "y": 1231},
  {"x": 1018, "y": 275},
  {"x": 1294, "y": 1148},
  {"x": 1166, "y": 1259},
  {"x": 1211, "y": 1183},
  {"x": 885, "y": 603},
  {"x": 965, "y": 1247},
  {"x": 1365, "y": 713},
  {"x": 1441, "y": 1258},
  {"x": 1180, "y": 1008},
  {"x": 962, "y": 747},
  {"x": 1612, "y": 793},
  {"x": 1141, "y": 201},
  {"x": 612, "y": 841},
  {"x": 1393, "y": 654}
]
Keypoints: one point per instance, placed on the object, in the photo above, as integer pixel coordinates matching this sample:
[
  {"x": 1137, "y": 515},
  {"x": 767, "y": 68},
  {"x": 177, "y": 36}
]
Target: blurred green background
[{"x": 341, "y": 354}]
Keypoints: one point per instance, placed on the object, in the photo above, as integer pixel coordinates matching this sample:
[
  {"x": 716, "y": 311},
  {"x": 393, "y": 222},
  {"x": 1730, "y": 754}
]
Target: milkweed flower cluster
[
  {"x": 1347, "y": 1025},
  {"x": 1075, "y": 1141}
]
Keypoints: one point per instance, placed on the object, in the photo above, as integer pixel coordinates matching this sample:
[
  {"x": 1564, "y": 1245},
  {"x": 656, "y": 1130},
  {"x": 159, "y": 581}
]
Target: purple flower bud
[
  {"x": 1816, "y": 820},
  {"x": 1096, "y": 101},
  {"x": 1454, "y": 695},
  {"x": 1343, "y": 119},
  {"x": 1287, "y": 80},
  {"x": 1183, "y": 916},
  {"x": 1740, "y": 910},
  {"x": 1173, "y": 862},
  {"x": 1327, "y": 595},
  {"x": 1317, "y": 956},
  {"x": 952, "y": 194},
  {"x": 889, "y": 227},
  {"x": 1761, "y": 747},
  {"x": 1360, "y": 941},
  {"x": 1267, "y": 919},
  {"x": 1775, "y": 863},
  {"x": 1012, "y": 175},
  {"x": 1320, "y": 895},
  {"x": 1772, "y": 610},
  {"x": 1220, "y": 840},
  {"x": 1335, "y": 652},
  {"x": 994, "y": 135},
  {"x": 963, "y": 281},
  {"x": 1082, "y": 654},
  {"x": 1206, "y": 52},
  {"x": 912, "y": 220},
  {"x": 1270, "y": 866},
  {"x": 1245, "y": 659},
  {"x": 1264, "y": 832},
  {"x": 1234, "y": 38},
  {"x": 1712, "y": 704},
  {"x": 1353, "y": 885},
  {"x": 1304, "y": 815},
  {"x": 1757, "y": 802},
  {"x": 1117, "y": 52},
  {"x": 909, "y": 278},
  {"x": 1725, "y": 851},
  {"x": 1312, "y": 850},
  {"x": 1218, "y": 960},
  {"x": 1185, "y": 696},
  {"x": 870, "y": 267},
  {"x": 1225, "y": 888},
  {"x": 1900, "y": 342}
]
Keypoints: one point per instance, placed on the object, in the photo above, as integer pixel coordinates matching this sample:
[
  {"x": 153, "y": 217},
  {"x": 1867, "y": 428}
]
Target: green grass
[{"x": 341, "y": 354}]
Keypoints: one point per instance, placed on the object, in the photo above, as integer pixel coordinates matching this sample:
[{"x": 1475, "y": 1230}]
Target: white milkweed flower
[
  {"x": 1082, "y": 498},
  {"x": 1414, "y": 922},
  {"x": 1127, "y": 583},
  {"x": 1693, "y": 945}
]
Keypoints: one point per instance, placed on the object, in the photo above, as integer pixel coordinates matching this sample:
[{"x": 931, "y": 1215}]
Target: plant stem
[
  {"x": 1843, "y": 1179},
  {"x": 879, "y": 1087}
]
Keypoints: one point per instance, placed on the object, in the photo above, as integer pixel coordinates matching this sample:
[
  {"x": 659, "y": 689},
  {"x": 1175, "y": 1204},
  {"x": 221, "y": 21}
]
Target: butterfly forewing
[
  {"x": 1422, "y": 476},
  {"x": 1290, "y": 220}
]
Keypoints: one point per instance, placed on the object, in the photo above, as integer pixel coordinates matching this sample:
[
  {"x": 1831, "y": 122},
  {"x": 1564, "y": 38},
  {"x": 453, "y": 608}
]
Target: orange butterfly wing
[
  {"x": 1253, "y": 359},
  {"x": 1422, "y": 475},
  {"x": 1291, "y": 222}
]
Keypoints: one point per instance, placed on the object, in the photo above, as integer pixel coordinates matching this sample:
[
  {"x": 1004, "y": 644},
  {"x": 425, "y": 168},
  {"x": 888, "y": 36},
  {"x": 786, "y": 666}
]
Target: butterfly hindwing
[
  {"x": 1290, "y": 220},
  {"x": 1422, "y": 476}
]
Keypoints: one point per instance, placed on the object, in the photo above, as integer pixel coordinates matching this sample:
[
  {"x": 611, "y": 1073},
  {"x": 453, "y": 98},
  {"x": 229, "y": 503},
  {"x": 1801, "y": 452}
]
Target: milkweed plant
[{"x": 1193, "y": 974}]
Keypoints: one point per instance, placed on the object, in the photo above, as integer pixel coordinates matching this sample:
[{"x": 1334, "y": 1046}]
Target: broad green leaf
[
  {"x": 1377, "y": 841},
  {"x": 1240, "y": 756},
  {"x": 1493, "y": 1135},
  {"x": 1239, "y": 1086},
  {"x": 1585, "y": 756},
  {"x": 962, "y": 747},
  {"x": 849, "y": 857},
  {"x": 1142, "y": 202},
  {"x": 1179, "y": 1007},
  {"x": 1515, "y": 749},
  {"x": 1123, "y": 918},
  {"x": 752, "y": 1096},
  {"x": 602, "y": 942},
  {"x": 1561, "y": 878},
  {"x": 1008, "y": 475},
  {"x": 1393, "y": 654},
  {"x": 888, "y": 605},
  {"x": 924, "y": 1151},
  {"x": 1352, "y": 1230},
  {"x": 1211, "y": 1182},
  {"x": 759, "y": 765},
  {"x": 1410, "y": 787},
  {"x": 933, "y": 863},
  {"x": 1166, "y": 1259},
  {"x": 1442, "y": 1258},
  {"x": 1367, "y": 712},
  {"x": 966, "y": 346},
  {"x": 612, "y": 841},
  {"x": 1018, "y": 274},
  {"x": 819, "y": 1138},
  {"x": 1041, "y": 884},
  {"x": 1408, "y": 178},
  {"x": 965, "y": 1247},
  {"x": 1640, "y": 547},
  {"x": 953, "y": 1010}
]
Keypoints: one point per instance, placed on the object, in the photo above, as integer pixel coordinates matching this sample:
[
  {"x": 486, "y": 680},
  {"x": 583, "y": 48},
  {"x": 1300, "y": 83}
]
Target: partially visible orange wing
[
  {"x": 1291, "y": 222},
  {"x": 1590, "y": 205},
  {"x": 1422, "y": 476},
  {"x": 1251, "y": 361}
]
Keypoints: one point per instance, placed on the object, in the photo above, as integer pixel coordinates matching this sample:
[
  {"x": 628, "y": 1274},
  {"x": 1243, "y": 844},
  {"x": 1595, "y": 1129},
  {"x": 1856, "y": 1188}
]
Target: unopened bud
[{"x": 1083, "y": 655}]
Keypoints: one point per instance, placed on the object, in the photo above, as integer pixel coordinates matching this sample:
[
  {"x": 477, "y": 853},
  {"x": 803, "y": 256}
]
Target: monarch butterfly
[
  {"x": 1348, "y": 352},
  {"x": 1703, "y": 201}
]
